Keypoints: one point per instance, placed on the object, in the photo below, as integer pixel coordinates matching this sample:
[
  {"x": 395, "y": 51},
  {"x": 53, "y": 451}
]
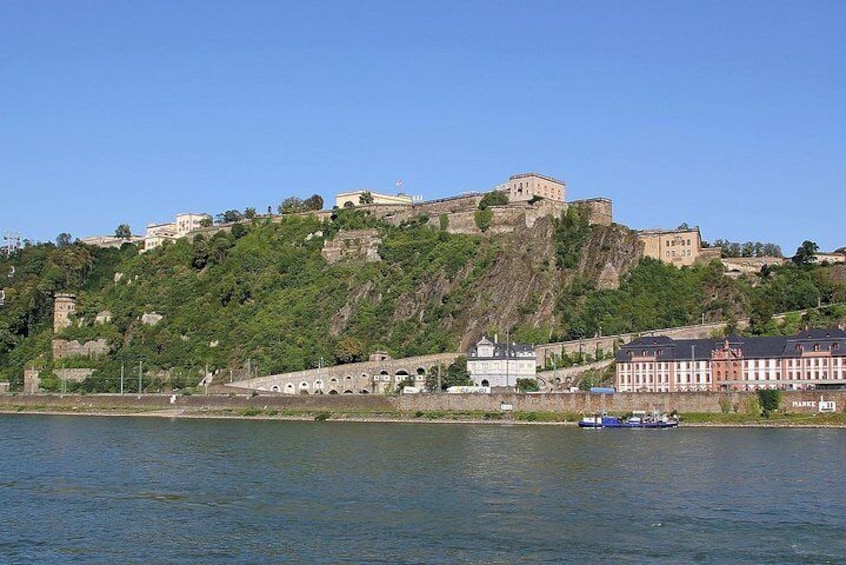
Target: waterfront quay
[{"x": 567, "y": 405}]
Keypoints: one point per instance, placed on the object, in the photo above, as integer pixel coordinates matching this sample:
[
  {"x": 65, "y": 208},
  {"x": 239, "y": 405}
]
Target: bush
[
  {"x": 495, "y": 198},
  {"x": 483, "y": 219},
  {"x": 322, "y": 417},
  {"x": 769, "y": 400},
  {"x": 528, "y": 385}
]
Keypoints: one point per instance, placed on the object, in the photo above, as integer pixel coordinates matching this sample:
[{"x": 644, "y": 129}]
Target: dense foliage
[{"x": 259, "y": 298}]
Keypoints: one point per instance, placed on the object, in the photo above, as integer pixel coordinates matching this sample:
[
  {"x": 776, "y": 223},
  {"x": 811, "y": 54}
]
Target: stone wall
[
  {"x": 359, "y": 378},
  {"x": 575, "y": 403},
  {"x": 750, "y": 264},
  {"x": 63, "y": 348},
  {"x": 600, "y": 210},
  {"x": 74, "y": 375},
  {"x": 352, "y": 244}
]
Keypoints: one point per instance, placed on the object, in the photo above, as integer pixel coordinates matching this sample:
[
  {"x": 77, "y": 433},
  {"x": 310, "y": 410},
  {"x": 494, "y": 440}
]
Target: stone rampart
[
  {"x": 352, "y": 244},
  {"x": 63, "y": 348},
  {"x": 600, "y": 210},
  {"x": 806, "y": 402},
  {"x": 750, "y": 264},
  {"x": 353, "y": 378}
]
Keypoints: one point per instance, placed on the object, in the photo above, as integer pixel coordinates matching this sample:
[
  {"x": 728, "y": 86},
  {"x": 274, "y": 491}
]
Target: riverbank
[{"x": 370, "y": 410}]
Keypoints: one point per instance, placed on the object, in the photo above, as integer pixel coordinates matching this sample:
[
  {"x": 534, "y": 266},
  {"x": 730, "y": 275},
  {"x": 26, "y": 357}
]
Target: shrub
[
  {"x": 769, "y": 400},
  {"x": 322, "y": 417}
]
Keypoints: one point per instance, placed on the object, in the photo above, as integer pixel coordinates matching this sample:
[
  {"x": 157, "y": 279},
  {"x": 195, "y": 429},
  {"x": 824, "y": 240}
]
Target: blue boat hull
[{"x": 614, "y": 422}]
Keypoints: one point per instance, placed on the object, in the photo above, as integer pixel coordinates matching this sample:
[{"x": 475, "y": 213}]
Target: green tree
[
  {"x": 366, "y": 197},
  {"x": 229, "y": 217},
  {"x": 349, "y": 350},
  {"x": 314, "y": 202},
  {"x": 290, "y": 205},
  {"x": 123, "y": 231},
  {"x": 806, "y": 254},
  {"x": 64, "y": 239},
  {"x": 769, "y": 400},
  {"x": 494, "y": 198},
  {"x": 250, "y": 213},
  {"x": 483, "y": 219},
  {"x": 238, "y": 231}
]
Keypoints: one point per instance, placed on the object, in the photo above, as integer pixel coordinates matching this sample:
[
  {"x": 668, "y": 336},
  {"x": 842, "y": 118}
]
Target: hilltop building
[
  {"x": 354, "y": 197},
  {"x": 499, "y": 365},
  {"x": 185, "y": 223},
  {"x": 679, "y": 247},
  {"x": 526, "y": 186},
  {"x": 811, "y": 359}
]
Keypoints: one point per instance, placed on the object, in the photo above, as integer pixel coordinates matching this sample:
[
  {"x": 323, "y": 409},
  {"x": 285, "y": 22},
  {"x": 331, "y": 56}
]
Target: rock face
[
  {"x": 609, "y": 278},
  {"x": 520, "y": 284},
  {"x": 151, "y": 318}
]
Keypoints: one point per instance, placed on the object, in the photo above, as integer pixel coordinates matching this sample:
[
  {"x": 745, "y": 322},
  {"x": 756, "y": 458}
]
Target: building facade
[
  {"x": 679, "y": 247},
  {"x": 500, "y": 365},
  {"x": 809, "y": 360},
  {"x": 526, "y": 186},
  {"x": 186, "y": 223}
]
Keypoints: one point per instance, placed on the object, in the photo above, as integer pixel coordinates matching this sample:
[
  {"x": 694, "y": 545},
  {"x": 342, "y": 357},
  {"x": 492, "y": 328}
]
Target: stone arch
[
  {"x": 485, "y": 382},
  {"x": 348, "y": 391},
  {"x": 333, "y": 391},
  {"x": 304, "y": 387},
  {"x": 289, "y": 388},
  {"x": 318, "y": 385},
  {"x": 364, "y": 391},
  {"x": 274, "y": 388}
]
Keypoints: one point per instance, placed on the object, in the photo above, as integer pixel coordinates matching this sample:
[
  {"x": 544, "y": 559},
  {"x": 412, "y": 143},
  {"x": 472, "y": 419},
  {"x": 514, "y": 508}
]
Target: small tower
[{"x": 63, "y": 306}]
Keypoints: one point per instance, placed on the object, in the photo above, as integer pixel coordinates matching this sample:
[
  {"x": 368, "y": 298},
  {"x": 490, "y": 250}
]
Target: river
[{"x": 150, "y": 490}]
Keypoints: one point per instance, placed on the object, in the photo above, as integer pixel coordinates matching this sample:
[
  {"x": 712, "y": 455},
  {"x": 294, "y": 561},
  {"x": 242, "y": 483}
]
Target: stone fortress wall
[{"x": 368, "y": 377}]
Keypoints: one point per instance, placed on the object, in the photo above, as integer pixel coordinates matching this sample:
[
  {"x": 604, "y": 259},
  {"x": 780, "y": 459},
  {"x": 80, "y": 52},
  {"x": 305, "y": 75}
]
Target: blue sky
[{"x": 730, "y": 115}]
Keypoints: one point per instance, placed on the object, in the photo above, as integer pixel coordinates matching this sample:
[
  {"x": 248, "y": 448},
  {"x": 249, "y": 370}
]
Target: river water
[{"x": 147, "y": 490}]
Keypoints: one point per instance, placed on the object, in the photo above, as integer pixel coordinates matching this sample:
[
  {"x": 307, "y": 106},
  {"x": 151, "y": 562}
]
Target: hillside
[{"x": 263, "y": 298}]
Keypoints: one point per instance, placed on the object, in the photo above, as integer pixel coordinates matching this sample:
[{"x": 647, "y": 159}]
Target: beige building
[
  {"x": 157, "y": 234},
  {"x": 679, "y": 247},
  {"x": 353, "y": 198},
  {"x": 186, "y": 223},
  {"x": 526, "y": 186}
]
